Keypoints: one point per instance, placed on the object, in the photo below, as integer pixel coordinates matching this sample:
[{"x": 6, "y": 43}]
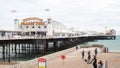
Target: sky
[{"x": 82, "y": 14}]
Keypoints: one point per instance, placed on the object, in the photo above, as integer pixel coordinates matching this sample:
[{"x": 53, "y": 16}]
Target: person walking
[
  {"x": 100, "y": 64},
  {"x": 88, "y": 52},
  {"x": 89, "y": 56},
  {"x": 83, "y": 54},
  {"x": 95, "y": 51},
  {"x": 94, "y": 62}
]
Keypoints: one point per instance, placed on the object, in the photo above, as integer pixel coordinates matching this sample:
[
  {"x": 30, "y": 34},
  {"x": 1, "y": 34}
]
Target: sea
[{"x": 112, "y": 45}]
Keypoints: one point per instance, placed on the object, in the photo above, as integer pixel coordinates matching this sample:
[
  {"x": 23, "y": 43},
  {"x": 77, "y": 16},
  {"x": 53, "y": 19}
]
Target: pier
[
  {"x": 14, "y": 48},
  {"x": 33, "y": 36}
]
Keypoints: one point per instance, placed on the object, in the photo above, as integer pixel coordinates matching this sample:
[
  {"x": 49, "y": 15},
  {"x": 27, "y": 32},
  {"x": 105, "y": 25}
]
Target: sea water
[{"x": 112, "y": 45}]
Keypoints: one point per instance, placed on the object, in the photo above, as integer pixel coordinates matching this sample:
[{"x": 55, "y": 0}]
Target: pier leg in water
[
  {"x": 29, "y": 50},
  {"x": 12, "y": 48},
  {"x": 19, "y": 49},
  {"x": 55, "y": 45},
  {"x": 9, "y": 53},
  {"x": 15, "y": 50},
  {"x": 3, "y": 52}
]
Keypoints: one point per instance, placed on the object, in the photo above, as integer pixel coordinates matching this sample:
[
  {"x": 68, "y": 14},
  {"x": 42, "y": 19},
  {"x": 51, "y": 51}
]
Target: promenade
[{"x": 73, "y": 59}]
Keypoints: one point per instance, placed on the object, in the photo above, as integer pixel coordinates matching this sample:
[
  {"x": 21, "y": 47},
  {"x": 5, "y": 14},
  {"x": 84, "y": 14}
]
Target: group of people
[{"x": 94, "y": 60}]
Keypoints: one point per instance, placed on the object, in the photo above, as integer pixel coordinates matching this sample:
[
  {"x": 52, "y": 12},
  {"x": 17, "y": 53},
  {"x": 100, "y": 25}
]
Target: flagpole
[
  {"x": 14, "y": 14},
  {"x": 16, "y": 20},
  {"x": 48, "y": 13}
]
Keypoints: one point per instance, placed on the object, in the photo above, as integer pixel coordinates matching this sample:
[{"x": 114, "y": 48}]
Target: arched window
[
  {"x": 27, "y": 27},
  {"x": 38, "y": 26},
  {"x": 33, "y": 27},
  {"x": 45, "y": 26}
]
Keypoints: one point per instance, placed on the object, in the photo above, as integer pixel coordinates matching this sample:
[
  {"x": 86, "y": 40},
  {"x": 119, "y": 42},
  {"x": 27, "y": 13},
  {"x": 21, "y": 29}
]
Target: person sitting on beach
[
  {"x": 100, "y": 64},
  {"x": 95, "y": 51},
  {"x": 83, "y": 54}
]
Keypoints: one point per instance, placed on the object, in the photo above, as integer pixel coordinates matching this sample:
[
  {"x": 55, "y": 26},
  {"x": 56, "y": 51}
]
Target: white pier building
[{"x": 34, "y": 27}]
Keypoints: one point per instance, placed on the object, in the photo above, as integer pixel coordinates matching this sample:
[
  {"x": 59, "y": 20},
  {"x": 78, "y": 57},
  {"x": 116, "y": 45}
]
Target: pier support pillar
[
  {"x": 3, "y": 52},
  {"x": 29, "y": 50},
  {"x": 55, "y": 45},
  {"x": 46, "y": 45},
  {"x": 12, "y": 48},
  {"x": 9, "y": 52},
  {"x": 15, "y": 50},
  {"x": 19, "y": 49}
]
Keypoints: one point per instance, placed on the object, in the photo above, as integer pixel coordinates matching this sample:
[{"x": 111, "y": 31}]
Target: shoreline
[
  {"x": 115, "y": 52},
  {"x": 98, "y": 45}
]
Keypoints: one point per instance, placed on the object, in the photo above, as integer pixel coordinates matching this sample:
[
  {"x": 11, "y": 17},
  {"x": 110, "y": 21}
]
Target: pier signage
[
  {"x": 32, "y": 21},
  {"x": 41, "y": 63}
]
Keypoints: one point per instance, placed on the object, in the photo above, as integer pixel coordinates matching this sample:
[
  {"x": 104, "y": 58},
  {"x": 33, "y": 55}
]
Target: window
[
  {"x": 38, "y": 26},
  {"x": 33, "y": 27},
  {"x": 45, "y": 26},
  {"x": 27, "y": 27}
]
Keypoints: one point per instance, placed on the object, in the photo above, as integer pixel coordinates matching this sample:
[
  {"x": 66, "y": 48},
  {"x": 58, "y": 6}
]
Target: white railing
[{"x": 43, "y": 37}]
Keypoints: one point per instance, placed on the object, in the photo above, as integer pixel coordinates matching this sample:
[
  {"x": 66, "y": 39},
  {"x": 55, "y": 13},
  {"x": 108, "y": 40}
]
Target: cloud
[{"x": 69, "y": 12}]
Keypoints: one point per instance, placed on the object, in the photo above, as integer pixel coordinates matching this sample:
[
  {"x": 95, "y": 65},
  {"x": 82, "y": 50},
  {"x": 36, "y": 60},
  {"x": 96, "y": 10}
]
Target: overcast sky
[{"x": 83, "y": 14}]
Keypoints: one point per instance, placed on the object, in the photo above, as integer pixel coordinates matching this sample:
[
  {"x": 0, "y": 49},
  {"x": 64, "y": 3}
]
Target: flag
[
  {"x": 47, "y": 10},
  {"x": 13, "y": 11}
]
